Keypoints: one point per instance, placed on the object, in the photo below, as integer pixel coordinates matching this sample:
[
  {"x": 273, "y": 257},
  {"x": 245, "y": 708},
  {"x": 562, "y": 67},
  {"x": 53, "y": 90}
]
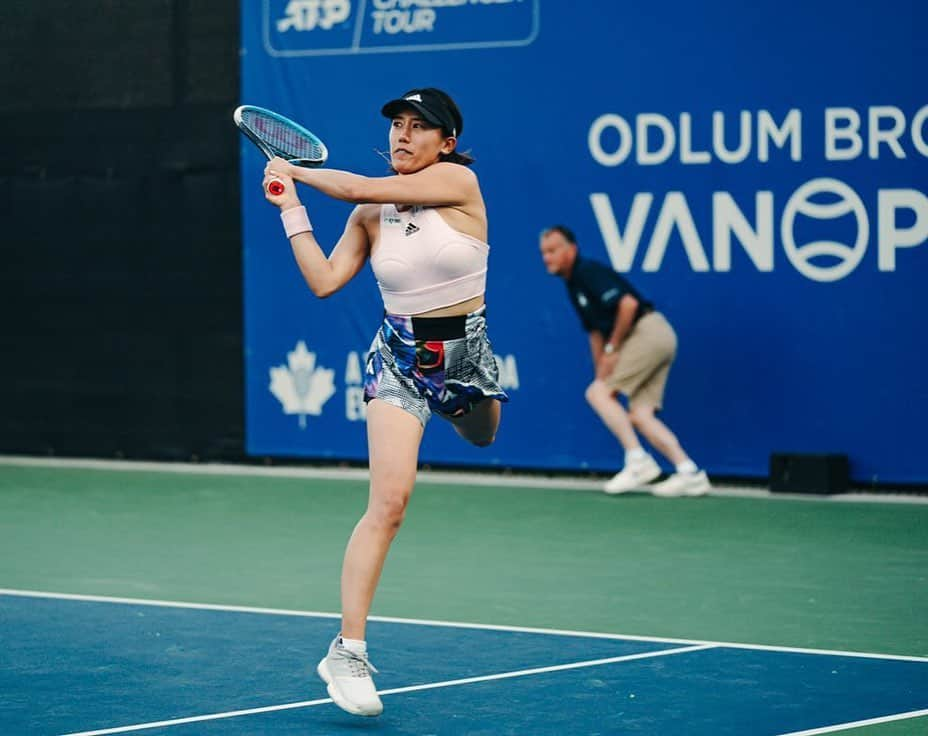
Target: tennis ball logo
[{"x": 847, "y": 256}]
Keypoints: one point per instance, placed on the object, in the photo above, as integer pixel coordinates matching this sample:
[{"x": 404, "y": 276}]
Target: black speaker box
[{"x": 796, "y": 473}]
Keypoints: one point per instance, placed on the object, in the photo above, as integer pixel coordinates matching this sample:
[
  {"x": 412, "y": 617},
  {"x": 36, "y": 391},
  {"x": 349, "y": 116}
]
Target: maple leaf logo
[{"x": 300, "y": 386}]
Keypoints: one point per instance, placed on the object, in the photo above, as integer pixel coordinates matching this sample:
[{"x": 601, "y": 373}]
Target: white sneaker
[
  {"x": 347, "y": 676},
  {"x": 683, "y": 484},
  {"x": 633, "y": 475}
]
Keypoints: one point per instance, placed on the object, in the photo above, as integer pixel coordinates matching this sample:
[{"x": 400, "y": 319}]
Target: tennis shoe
[
  {"x": 683, "y": 484},
  {"x": 633, "y": 476},
  {"x": 347, "y": 676}
]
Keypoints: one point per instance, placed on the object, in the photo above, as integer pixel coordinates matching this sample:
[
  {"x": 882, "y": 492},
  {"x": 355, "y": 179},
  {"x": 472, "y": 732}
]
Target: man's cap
[{"x": 433, "y": 105}]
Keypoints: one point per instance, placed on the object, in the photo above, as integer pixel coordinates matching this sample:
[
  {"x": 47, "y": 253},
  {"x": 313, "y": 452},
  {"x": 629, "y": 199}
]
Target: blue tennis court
[{"x": 84, "y": 665}]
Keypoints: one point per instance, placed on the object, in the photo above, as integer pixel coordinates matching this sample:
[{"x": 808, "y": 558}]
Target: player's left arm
[{"x": 442, "y": 184}]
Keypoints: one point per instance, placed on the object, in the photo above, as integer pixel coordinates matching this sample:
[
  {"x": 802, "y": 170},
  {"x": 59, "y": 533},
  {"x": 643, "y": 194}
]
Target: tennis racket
[{"x": 275, "y": 135}]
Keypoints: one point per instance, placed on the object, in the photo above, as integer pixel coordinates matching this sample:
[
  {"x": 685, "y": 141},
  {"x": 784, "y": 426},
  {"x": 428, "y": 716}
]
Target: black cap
[{"x": 433, "y": 105}]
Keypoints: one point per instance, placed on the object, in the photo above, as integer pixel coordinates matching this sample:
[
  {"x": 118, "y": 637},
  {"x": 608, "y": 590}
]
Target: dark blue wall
[{"x": 783, "y": 347}]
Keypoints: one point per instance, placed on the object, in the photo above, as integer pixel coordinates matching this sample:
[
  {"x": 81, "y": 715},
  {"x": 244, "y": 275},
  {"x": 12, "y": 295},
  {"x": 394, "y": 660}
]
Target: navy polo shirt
[{"x": 595, "y": 291}]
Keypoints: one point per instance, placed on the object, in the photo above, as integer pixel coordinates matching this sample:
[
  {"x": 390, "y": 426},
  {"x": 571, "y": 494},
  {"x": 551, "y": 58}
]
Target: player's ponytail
[{"x": 465, "y": 159}]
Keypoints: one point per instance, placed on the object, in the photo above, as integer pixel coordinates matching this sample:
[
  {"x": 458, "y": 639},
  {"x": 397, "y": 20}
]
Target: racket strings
[{"x": 284, "y": 139}]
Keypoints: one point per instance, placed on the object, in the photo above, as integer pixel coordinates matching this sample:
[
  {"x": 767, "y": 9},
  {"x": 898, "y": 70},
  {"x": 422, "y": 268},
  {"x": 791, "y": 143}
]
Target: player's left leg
[{"x": 479, "y": 425}]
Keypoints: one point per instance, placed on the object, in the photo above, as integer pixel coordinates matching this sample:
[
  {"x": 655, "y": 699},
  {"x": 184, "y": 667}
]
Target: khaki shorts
[{"x": 644, "y": 361}]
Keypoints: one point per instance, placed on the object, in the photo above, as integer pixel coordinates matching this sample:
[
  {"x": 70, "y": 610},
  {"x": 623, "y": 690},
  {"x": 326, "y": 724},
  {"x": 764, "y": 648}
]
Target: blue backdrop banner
[{"x": 759, "y": 172}]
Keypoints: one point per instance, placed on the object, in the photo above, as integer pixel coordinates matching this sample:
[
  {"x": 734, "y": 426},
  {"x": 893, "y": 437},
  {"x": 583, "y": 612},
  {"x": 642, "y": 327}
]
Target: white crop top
[{"x": 422, "y": 263}]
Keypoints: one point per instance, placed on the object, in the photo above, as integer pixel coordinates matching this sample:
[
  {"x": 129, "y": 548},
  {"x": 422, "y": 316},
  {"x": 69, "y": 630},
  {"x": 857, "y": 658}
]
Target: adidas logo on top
[{"x": 412, "y": 228}]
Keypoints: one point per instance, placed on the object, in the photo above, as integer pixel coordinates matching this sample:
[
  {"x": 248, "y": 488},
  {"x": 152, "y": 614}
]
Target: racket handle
[{"x": 275, "y": 187}]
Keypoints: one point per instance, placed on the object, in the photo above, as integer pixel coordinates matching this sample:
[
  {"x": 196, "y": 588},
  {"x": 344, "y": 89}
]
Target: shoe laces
[{"x": 358, "y": 663}]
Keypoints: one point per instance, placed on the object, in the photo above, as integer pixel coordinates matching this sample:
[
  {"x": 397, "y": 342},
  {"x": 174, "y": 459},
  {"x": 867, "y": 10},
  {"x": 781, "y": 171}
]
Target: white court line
[
  {"x": 454, "y": 624},
  {"x": 857, "y": 724},
  {"x": 194, "y": 719},
  {"x": 441, "y": 477},
  {"x": 396, "y": 690}
]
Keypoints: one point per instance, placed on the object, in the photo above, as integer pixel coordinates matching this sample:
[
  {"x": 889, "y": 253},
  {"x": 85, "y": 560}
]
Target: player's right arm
[{"x": 326, "y": 275}]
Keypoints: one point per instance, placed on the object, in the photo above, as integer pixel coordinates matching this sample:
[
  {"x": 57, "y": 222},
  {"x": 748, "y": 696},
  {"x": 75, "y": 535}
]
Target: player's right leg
[{"x": 394, "y": 436}]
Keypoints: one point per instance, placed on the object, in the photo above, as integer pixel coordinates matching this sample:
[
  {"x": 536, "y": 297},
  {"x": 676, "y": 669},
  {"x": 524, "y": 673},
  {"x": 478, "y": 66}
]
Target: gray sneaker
[{"x": 347, "y": 676}]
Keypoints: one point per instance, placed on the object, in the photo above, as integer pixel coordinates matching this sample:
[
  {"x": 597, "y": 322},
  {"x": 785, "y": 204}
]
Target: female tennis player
[{"x": 424, "y": 231}]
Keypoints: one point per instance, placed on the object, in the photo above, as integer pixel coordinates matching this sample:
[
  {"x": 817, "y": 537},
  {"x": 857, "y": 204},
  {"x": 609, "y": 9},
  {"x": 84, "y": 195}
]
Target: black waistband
[{"x": 439, "y": 328}]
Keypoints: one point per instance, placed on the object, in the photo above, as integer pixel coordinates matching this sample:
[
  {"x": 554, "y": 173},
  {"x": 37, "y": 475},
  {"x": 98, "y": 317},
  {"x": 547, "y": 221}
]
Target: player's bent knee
[{"x": 483, "y": 442}]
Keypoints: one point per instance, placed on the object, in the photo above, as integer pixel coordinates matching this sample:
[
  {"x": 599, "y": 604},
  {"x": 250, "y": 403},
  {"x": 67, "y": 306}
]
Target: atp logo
[
  {"x": 307, "y": 15},
  {"x": 300, "y": 386}
]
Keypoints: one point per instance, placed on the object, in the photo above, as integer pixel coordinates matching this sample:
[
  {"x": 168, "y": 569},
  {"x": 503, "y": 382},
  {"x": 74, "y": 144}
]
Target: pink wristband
[{"x": 296, "y": 221}]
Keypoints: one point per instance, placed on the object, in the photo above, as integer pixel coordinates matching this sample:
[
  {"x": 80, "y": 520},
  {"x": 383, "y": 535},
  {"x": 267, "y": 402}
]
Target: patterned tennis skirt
[{"x": 433, "y": 364}]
